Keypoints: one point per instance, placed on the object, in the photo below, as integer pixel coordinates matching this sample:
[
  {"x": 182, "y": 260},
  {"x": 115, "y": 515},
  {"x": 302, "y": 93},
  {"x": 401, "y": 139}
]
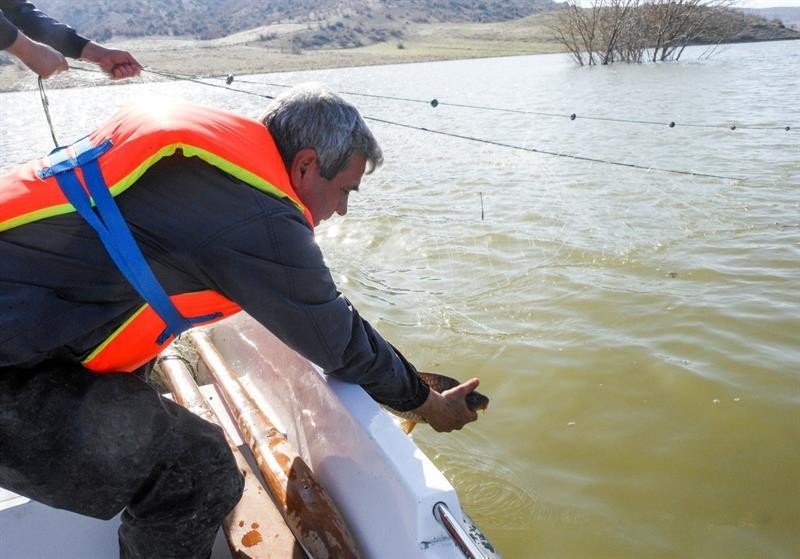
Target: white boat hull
[{"x": 383, "y": 484}]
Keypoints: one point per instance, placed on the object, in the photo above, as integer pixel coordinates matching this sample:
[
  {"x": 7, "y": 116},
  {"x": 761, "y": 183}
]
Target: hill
[
  {"x": 296, "y": 26},
  {"x": 788, "y": 16},
  {"x": 254, "y": 36},
  {"x": 737, "y": 26},
  {"x": 209, "y": 19}
]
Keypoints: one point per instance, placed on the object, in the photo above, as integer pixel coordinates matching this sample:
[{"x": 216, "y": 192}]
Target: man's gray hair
[{"x": 311, "y": 116}]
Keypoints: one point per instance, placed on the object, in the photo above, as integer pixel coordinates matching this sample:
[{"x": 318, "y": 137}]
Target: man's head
[{"x": 325, "y": 145}]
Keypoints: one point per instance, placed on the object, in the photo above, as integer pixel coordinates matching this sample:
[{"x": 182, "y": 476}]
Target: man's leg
[{"x": 95, "y": 444}]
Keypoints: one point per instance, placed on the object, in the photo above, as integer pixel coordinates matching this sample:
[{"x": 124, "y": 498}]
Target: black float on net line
[{"x": 230, "y": 78}]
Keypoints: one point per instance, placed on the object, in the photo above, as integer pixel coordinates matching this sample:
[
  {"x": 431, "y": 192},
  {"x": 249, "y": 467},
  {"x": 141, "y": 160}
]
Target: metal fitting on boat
[{"x": 460, "y": 536}]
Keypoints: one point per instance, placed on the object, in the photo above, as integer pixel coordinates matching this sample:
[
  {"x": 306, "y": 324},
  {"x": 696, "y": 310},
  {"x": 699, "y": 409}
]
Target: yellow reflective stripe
[
  {"x": 114, "y": 334},
  {"x": 123, "y": 184},
  {"x": 240, "y": 173},
  {"x": 212, "y": 159},
  {"x": 36, "y": 216},
  {"x": 127, "y": 181}
]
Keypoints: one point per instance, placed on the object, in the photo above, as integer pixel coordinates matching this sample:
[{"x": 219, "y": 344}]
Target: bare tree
[
  {"x": 608, "y": 31},
  {"x": 674, "y": 24},
  {"x": 593, "y": 34},
  {"x": 614, "y": 19},
  {"x": 577, "y": 29}
]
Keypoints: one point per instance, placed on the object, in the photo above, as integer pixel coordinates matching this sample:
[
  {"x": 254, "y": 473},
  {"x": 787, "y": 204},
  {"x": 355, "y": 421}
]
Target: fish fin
[{"x": 407, "y": 425}]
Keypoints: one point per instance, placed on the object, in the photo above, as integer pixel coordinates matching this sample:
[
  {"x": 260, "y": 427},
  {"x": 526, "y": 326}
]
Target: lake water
[{"x": 637, "y": 331}]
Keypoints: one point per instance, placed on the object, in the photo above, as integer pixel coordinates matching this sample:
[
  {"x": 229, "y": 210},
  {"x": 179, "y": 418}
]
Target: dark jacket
[
  {"x": 18, "y": 14},
  {"x": 199, "y": 228}
]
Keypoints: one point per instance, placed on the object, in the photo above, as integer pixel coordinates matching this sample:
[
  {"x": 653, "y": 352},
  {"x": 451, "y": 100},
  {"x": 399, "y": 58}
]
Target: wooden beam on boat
[
  {"x": 308, "y": 510},
  {"x": 254, "y": 528}
]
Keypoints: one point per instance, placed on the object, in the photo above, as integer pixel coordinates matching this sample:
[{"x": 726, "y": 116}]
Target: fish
[{"x": 475, "y": 400}]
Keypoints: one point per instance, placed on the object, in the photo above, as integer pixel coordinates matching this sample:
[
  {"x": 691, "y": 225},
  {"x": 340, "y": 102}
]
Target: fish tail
[{"x": 407, "y": 425}]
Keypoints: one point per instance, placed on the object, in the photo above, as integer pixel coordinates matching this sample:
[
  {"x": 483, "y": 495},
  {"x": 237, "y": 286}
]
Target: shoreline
[
  {"x": 220, "y": 57},
  {"x": 244, "y": 53},
  {"x": 13, "y": 75}
]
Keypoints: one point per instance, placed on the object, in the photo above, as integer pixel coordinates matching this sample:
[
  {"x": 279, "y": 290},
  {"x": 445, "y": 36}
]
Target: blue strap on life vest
[{"x": 106, "y": 219}]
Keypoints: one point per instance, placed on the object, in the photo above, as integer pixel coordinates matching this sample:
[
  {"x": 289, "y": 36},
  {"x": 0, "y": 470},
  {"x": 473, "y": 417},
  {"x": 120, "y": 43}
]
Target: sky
[
  {"x": 754, "y": 3},
  {"x": 767, "y": 3}
]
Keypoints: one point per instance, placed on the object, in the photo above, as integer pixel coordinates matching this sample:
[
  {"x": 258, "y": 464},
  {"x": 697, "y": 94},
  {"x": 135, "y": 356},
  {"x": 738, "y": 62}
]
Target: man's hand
[
  {"x": 118, "y": 64},
  {"x": 41, "y": 58},
  {"x": 448, "y": 411}
]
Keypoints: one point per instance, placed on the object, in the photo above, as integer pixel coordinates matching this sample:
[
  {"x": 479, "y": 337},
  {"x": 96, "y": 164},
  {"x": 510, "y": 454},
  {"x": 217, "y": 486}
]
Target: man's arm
[
  {"x": 272, "y": 267},
  {"x": 448, "y": 411},
  {"x": 292, "y": 293},
  {"x": 261, "y": 253}
]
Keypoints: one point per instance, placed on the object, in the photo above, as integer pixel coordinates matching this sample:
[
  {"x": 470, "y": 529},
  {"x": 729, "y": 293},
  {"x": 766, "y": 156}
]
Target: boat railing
[{"x": 460, "y": 536}]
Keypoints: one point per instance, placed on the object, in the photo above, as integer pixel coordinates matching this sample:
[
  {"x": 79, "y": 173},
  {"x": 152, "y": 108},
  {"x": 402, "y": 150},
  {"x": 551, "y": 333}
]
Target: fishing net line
[{"x": 486, "y": 233}]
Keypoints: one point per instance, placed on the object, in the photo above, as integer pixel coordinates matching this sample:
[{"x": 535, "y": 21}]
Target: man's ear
[{"x": 304, "y": 162}]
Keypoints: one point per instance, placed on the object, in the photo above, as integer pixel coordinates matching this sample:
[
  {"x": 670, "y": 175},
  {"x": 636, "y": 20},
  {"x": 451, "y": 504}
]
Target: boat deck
[{"x": 31, "y": 530}]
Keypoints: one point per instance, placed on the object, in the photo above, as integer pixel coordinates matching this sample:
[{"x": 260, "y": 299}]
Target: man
[
  {"x": 41, "y": 43},
  {"x": 221, "y": 209}
]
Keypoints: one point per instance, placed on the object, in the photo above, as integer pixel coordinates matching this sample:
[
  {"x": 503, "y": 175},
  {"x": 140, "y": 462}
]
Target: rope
[
  {"x": 193, "y": 79},
  {"x": 229, "y": 79},
  {"x": 46, "y": 107},
  {"x": 572, "y": 116},
  {"x": 554, "y": 153}
]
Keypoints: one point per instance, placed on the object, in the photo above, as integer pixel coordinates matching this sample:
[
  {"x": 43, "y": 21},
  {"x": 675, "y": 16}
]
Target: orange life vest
[{"x": 124, "y": 148}]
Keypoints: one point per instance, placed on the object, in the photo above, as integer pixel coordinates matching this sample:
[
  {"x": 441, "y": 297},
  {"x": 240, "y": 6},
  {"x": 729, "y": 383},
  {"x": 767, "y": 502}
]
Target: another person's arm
[
  {"x": 118, "y": 64},
  {"x": 42, "y": 59},
  {"x": 42, "y": 43},
  {"x": 21, "y": 16}
]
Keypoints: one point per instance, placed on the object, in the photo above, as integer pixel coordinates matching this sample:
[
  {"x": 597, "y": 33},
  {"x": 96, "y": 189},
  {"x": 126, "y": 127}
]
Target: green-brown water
[{"x": 638, "y": 332}]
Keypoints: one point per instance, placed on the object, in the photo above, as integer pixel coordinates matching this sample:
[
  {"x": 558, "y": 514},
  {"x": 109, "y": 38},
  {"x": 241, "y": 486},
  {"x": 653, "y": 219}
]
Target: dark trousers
[{"x": 96, "y": 444}]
